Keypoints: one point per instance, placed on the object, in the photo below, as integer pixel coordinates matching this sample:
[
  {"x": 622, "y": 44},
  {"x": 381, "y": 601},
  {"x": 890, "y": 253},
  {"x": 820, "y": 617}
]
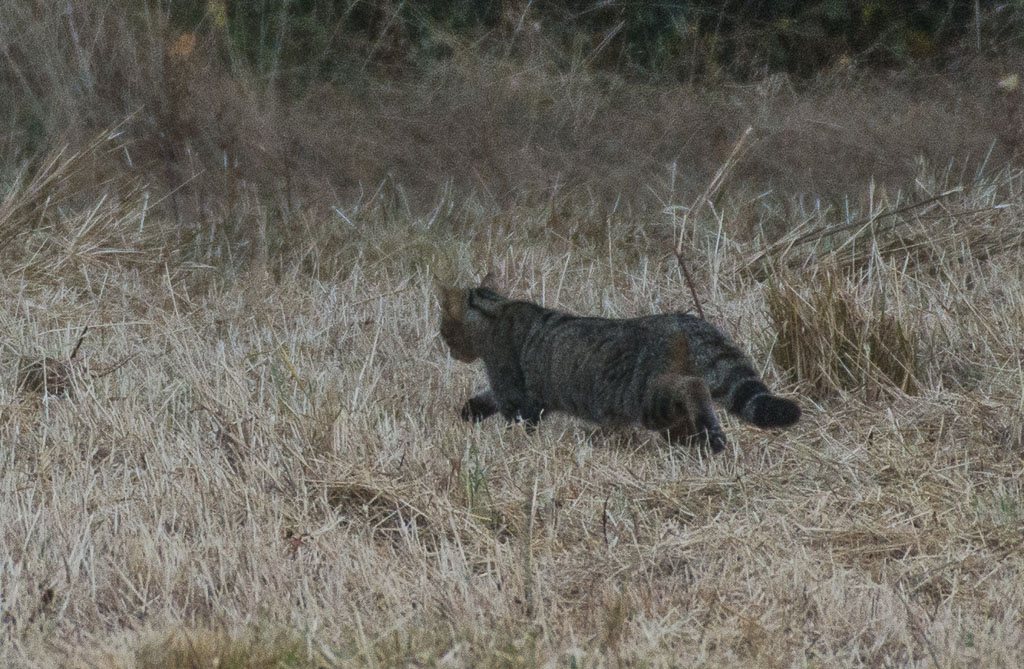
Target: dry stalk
[
  {"x": 78, "y": 344},
  {"x": 712, "y": 189},
  {"x": 791, "y": 241}
]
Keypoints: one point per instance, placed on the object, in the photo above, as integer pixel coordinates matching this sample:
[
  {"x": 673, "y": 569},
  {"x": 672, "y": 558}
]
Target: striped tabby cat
[
  {"x": 653, "y": 370},
  {"x": 609, "y": 371}
]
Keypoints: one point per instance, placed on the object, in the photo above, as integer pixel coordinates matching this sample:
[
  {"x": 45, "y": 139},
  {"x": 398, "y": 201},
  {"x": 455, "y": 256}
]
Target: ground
[{"x": 257, "y": 467}]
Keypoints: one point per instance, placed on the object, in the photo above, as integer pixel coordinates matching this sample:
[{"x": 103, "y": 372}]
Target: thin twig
[
  {"x": 825, "y": 230},
  {"x": 78, "y": 344},
  {"x": 116, "y": 366},
  {"x": 709, "y": 193},
  {"x": 814, "y": 235},
  {"x": 401, "y": 289},
  {"x": 604, "y": 520},
  {"x": 689, "y": 282}
]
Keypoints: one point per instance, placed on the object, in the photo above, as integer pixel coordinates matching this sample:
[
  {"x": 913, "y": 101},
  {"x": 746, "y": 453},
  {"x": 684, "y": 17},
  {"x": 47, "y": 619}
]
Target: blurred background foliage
[
  {"x": 305, "y": 103},
  {"x": 688, "y": 41}
]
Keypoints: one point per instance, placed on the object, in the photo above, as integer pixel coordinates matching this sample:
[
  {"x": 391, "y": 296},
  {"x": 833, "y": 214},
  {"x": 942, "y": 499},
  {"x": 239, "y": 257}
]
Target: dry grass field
[
  {"x": 229, "y": 431},
  {"x": 258, "y": 468}
]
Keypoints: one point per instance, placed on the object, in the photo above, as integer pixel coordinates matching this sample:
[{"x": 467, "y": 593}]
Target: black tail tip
[
  {"x": 478, "y": 408},
  {"x": 772, "y": 411}
]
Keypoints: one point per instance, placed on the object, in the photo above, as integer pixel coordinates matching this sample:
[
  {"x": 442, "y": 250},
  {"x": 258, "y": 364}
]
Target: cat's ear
[
  {"x": 453, "y": 300},
  {"x": 491, "y": 282}
]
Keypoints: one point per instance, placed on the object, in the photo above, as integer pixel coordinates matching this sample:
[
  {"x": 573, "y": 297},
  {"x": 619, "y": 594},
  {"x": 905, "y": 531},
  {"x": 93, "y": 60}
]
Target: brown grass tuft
[
  {"x": 827, "y": 340},
  {"x": 46, "y": 376}
]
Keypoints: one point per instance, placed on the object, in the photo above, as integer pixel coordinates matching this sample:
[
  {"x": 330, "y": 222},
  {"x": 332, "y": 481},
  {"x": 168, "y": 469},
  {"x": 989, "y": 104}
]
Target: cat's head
[{"x": 467, "y": 317}]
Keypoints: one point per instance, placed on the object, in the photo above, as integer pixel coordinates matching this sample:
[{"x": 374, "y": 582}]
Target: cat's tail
[
  {"x": 751, "y": 400},
  {"x": 479, "y": 407}
]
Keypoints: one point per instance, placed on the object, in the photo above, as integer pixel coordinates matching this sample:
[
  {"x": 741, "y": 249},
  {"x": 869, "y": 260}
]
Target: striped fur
[
  {"x": 604, "y": 370},
  {"x": 727, "y": 371}
]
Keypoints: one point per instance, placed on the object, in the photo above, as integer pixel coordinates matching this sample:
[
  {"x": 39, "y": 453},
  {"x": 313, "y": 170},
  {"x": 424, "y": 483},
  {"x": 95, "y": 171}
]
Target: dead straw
[{"x": 709, "y": 193}]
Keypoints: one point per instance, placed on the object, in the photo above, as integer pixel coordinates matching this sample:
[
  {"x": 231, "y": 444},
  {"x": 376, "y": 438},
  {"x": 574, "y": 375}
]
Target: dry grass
[
  {"x": 272, "y": 473},
  {"x": 826, "y": 341},
  {"x": 253, "y": 456}
]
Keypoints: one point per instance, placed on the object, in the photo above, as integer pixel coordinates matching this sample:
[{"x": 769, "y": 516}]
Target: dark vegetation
[{"x": 307, "y": 104}]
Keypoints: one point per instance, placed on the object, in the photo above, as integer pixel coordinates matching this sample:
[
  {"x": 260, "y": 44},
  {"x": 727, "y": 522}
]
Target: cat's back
[
  {"x": 597, "y": 368},
  {"x": 713, "y": 352}
]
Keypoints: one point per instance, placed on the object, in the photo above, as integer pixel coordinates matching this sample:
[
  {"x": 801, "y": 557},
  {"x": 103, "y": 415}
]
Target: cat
[
  {"x": 608, "y": 371},
  {"x": 727, "y": 372}
]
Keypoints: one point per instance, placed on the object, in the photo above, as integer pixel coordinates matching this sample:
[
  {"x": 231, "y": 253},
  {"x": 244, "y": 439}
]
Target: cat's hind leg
[{"x": 680, "y": 408}]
